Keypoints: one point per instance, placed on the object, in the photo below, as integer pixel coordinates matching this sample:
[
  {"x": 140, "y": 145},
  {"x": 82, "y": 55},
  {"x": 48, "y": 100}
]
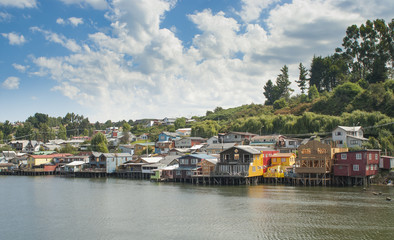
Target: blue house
[
  {"x": 108, "y": 162},
  {"x": 167, "y": 136}
]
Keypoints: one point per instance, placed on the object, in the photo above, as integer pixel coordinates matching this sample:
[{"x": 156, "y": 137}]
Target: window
[
  {"x": 283, "y": 159},
  {"x": 292, "y": 143},
  {"x": 235, "y": 136},
  {"x": 340, "y": 167},
  {"x": 370, "y": 156},
  {"x": 246, "y": 157},
  {"x": 353, "y": 142},
  {"x": 254, "y": 169},
  {"x": 178, "y": 173},
  {"x": 181, "y": 161},
  {"x": 338, "y": 133},
  {"x": 236, "y": 157},
  {"x": 356, "y": 167},
  {"x": 367, "y": 168},
  {"x": 306, "y": 151},
  {"x": 376, "y": 156},
  {"x": 343, "y": 156},
  {"x": 227, "y": 157},
  {"x": 358, "y": 156},
  {"x": 188, "y": 173},
  {"x": 194, "y": 161},
  {"x": 340, "y": 142}
]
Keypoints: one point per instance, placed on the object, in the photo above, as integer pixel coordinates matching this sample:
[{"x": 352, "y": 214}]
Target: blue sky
[{"x": 132, "y": 59}]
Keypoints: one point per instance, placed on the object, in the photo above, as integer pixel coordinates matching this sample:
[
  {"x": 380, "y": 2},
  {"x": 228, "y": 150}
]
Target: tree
[
  {"x": 125, "y": 137},
  {"x": 68, "y": 149},
  {"x": 302, "y": 78},
  {"x": 1, "y": 136},
  {"x": 313, "y": 93},
  {"x": 126, "y": 127},
  {"x": 181, "y": 122},
  {"x": 283, "y": 83},
  {"x": 270, "y": 93},
  {"x": 99, "y": 143},
  {"x": 62, "y": 134},
  {"x": 279, "y": 104}
]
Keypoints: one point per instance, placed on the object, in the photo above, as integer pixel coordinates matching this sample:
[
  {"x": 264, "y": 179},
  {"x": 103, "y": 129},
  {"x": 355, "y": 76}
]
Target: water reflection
[{"x": 71, "y": 208}]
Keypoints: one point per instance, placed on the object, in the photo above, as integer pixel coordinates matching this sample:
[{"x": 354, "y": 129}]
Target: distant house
[
  {"x": 348, "y": 136},
  {"x": 213, "y": 140},
  {"x": 189, "y": 164},
  {"x": 32, "y": 146},
  {"x": 168, "y": 136},
  {"x": 169, "y": 121},
  {"x": 216, "y": 148},
  {"x": 127, "y": 148},
  {"x": 75, "y": 166},
  {"x": 270, "y": 141},
  {"x": 19, "y": 145},
  {"x": 141, "y": 147},
  {"x": 108, "y": 162},
  {"x": 188, "y": 142},
  {"x": 386, "y": 162},
  {"x": 237, "y": 137},
  {"x": 184, "y": 131},
  {"x": 163, "y": 147},
  {"x": 39, "y": 160},
  {"x": 206, "y": 167}
]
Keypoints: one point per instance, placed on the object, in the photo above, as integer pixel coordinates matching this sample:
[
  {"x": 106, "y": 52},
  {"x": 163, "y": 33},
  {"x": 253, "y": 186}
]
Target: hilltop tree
[
  {"x": 283, "y": 83},
  {"x": 302, "y": 78},
  {"x": 99, "y": 143},
  {"x": 62, "y": 134}
]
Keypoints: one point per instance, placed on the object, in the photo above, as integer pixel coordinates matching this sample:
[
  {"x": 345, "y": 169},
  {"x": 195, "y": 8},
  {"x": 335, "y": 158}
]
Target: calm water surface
[{"x": 72, "y": 208}]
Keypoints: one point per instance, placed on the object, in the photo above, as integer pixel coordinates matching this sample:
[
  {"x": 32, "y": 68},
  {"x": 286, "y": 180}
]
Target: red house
[
  {"x": 386, "y": 162},
  {"x": 361, "y": 163}
]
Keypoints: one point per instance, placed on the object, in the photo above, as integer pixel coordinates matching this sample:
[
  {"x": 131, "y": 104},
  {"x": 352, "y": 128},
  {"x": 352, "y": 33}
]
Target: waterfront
[{"x": 53, "y": 207}]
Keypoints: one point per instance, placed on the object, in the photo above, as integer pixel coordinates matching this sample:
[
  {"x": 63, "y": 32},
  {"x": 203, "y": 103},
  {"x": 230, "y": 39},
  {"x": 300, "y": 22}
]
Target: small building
[
  {"x": 168, "y": 136},
  {"x": 184, "y": 131},
  {"x": 34, "y": 161},
  {"x": 206, "y": 167},
  {"x": 237, "y": 137},
  {"x": 75, "y": 166},
  {"x": 108, "y": 162},
  {"x": 189, "y": 164},
  {"x": 348, "y": 137},
  {"x": 127, "y": 148},
  {"x": 189, "y": 142},
  {"x": 216, "y": 148},
  {"x": 386, "y": 162}
]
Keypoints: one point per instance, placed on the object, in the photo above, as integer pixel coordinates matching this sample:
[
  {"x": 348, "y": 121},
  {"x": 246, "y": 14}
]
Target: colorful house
[
  {"x": 279, "y": 163},
  {"x": 244, "y": 160},
  {"x": 357, "y": 164},
  {"x": 206, "y": 167},
  {"x": 38, "y": 160},
  {"x": 189, "y": 164},
  {"x": 386, "y": 162}
]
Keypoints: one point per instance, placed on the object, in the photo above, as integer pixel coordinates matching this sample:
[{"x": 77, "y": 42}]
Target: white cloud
[
  {"x": 4, "y": 16},
  {"x": 19, "y": 67},
  {"x": 75, "y": 21},
  {"x": 14, "y": 38},
  {"x": 11, "y": 83},
  {"x": 97, "y": 4},
  {"x": 60, "y": 21},
  {"x": 19, "y": 3},
  {"x": 251, "y": 9},
  {"x": 70, "y": 44},
  {"x": 140, "y": 69}
]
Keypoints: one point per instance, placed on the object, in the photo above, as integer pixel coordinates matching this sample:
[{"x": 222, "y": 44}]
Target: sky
[{"x": 132, "y": 59}]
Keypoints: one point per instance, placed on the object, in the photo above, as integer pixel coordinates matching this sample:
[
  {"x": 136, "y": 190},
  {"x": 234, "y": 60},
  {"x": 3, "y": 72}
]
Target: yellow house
[
  {"x": 37, "y": 160},
  {"x": 283, "y": 159},
  {"x": 276, "y": 171},
  {"x": 260, "y": 162},
  {"x": 279, "y": 162}
]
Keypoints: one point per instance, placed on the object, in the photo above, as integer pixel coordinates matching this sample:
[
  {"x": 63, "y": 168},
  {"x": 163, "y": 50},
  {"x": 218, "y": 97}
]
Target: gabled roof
[
  {"x": 198, "y": 155},
  {"x": 349, "y": 129},
  {"x": 252, "y": 149},
  {"x": 220, "y": 146},
  {"x": 152, "y": 159}
]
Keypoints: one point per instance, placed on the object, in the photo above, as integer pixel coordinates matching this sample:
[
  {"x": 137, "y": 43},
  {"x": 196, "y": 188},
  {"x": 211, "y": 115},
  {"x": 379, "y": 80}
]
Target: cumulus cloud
[
  {"x": 97, "y": 4},
  {"x": 141, "y": 69},
  {"x": 4, "y": 16},
  {"x": 14, "y": 38},
  {"x": 19, "y": 67},
  {"x": 70, "y": 44},
  {"x": 72, "y": 21},
  {"x": 19, "y": 3},
  {"x": 11, "y": 83}
]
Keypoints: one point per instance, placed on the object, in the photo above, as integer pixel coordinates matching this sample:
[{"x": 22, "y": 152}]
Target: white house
[{"x": 348, "y": 136}]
